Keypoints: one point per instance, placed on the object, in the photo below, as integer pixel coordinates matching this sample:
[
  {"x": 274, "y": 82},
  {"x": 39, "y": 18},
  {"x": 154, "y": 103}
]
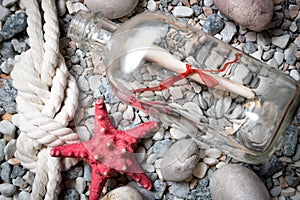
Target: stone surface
[
  {"x": 14, "y": 24},
  {"x": 4, "y": 13},
  {"x": 235, "y": 182},
  {"x": 180, "y": 160},
  {"x": 182, "y": 11},
  {"x": 123, "y": 193},
  {"x": 228, "y": 31},
  {"x": 289, "y": 142},
  {"x": 7, "y": 189},
  {"x": 112, "y": 9},
  {"x": 69, "y": 194},
  {"x": 7, "y": 96},
  {"x": 213, "y": 24},
  {"x": 7, "y": 128},
  {"x": 254, "y": 15},
  {"x": 270, "y": 167}
]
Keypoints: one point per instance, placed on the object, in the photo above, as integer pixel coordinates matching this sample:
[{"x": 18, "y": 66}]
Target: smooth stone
[
  {"x": 182, "y": 11},
  {"x": 249, "y": 47},
  {"x": 10, "y": 149},
  {"x": 200, "y": 170},
  {"x": 180, "y": 190},
  {"x": 213, "y": 153},
  {"x": 289, "y": 142},
  {"x": 159, "y": 188},
  {"x": 112, "y": 9},
  {"x": 7, "y": 189},
  {"x": 5, "y": 172},
  {"x": 281, "y": 41},
  {"x": 177, "y": 134},
  {"x": 288, "y": 191},
  {"x": 7, "y": 128},
  {"x": 279, "y": 56},
  {"x": 14, "y": 24},
  {"x": 123, "y": 193},
  {"x": 235, "y": 182},
  {"x": 213, "y": 24},
  {"x": 69, "y": 194},
  {"x": 61, "y": 7},
  {"x": 295, "y": 74},
  {"x": 180, "y": 160},
  {"x": 80, "y": 185},
  {"x": 2, "y": 146},
  {"x": 270, "y": 167},
  {"x": 254, "y": 15},
  {"x": 228, "y": 31},
  {"x": 8, "y": 3},
  {"x": 152, "y": 5},
  {"x": 24, "y": 195},
  {"x": 4, "y": 13},
  {"x": 160, "y": 148},
  {"x": 210, "y": 161}
]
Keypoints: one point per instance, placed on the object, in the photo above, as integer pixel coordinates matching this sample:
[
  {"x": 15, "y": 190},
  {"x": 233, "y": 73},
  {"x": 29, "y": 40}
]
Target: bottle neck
[{"x": 91, "y": 30}]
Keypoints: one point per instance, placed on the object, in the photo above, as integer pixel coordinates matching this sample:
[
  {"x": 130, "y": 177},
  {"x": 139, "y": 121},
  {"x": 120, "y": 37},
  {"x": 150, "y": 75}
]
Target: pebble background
[{"x": 279, "y": 46}]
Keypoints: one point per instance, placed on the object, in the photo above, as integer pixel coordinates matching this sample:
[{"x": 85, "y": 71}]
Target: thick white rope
[{"x": 46, "y": 101}]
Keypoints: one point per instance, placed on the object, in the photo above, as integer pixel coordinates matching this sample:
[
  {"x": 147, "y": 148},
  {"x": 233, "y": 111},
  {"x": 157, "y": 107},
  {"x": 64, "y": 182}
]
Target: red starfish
[{"x": 110, "y": 151}]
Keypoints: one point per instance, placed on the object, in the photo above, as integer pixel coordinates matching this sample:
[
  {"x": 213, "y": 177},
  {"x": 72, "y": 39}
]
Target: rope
[{"x": 46, "y": 101}]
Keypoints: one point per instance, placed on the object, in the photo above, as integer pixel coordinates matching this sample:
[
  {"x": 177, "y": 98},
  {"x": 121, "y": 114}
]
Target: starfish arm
[
  {"x": 76, "y": 150},
  {"x": 142, "y": 179},
  {"x": 98, "y": 181},
  {"x": 142, "y": 129}
]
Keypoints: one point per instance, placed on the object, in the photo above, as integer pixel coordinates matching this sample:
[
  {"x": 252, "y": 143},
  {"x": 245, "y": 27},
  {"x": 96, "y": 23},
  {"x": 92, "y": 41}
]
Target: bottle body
[{"x": 200, "y": 85}]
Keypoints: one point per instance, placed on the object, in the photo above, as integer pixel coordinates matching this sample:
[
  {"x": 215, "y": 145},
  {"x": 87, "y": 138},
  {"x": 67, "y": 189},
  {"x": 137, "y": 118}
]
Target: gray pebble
[
  {"x": 2, "y": 197},
  {"x": 264, "y": 40},
  {"x": 281, "y": 41},
  {"x": 296, "y": 157},
  {"x": 180, "y": 160},
  {"x": 10, "y": 149},
  {"x": 213, "y": 24},
  {"x": 2, "y": 146},
  {"x": 69, "y": 194},
  {"x": 7, "y": 128},
  {"x": 272, "y": 166},
  {"x": 289, "y": 142},
  {"x": 123, "y": 193},
  {"x": 148, "y": 195},
  {"x": 20, "y": 183},
  {"x": 5, "y": 172},
  {"x": 181, "y": 189},
  {"x": 249, "y": 47},
  {"x": 182, "y": 11},
  {"x": 83, "y": 84},
  {"x": 8, "y": 3},
  {"x": 161, "y": 147},
  {"x": 7, "y": 66},
  {"x": 87, "y": 172},
  {"x": 29, "y": 177},
  {"x": 73, "y": 173},
  {"x": 4, "y": 13},
  {"x": 228, "y": 31},
  {"x": 80, "y": 185},
  {"x": 105, "y": 89},
  {"x": 6, "y": 50},
  {"x": 17, "y": 171},
  {"x": 7, "y": 189},
  {"x": 235, "y": 182},
  {"x": 7, "y": 96},
  {"x": 24, "y": 195},
  {"x": 159, "y": 188},
  {"x": 14, "y": 24}
]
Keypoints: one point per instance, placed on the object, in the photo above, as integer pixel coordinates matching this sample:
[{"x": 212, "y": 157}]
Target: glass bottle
[{"x": 193, "y": 82}]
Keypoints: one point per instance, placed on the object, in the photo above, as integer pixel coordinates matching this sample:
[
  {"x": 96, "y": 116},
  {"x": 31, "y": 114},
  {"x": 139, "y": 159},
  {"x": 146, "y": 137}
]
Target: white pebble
[
  {"x": 8, "y": 3},
  {"x": 295, "y": 74},
  {"x": 83, "y": 133},
  {"x": 281, "y": 41},
  {"x": 152, "y": 5},
  {"x": 213, "y": 153},
  {"x": 128, "y": 114},
  {"x": 210, "y": 161},
  {"x": 177, "y": 134},
  {"x": 80, "y": 185},
  {"x": 7, "y": 128},
  {"x": 182, "y": 11},
  {"x": 4, "y": 12}
]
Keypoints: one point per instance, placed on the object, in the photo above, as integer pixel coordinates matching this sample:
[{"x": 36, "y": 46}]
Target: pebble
[
  {"x": 180, "y": 190},
  {"x": 17, "y": 171},
  {"x": 7, "y": 128},
  {"x": 112, "y": 9},
  {"x": 180, "y": 160},
  {"x": 10, "y": 149},
  {"x": 14, "y": 24},
  {"x": 213, "y": 24},
  {"x": 295, "y": 74},
  {"x": 80, "y": 185},
  {"x": 74, "y": 7},
  {"x": 61, "y": 7},
  {"x": 2, "y": 146},
  {"x": 152, "y": 5},
  {"x": 200, "y": 170},
  {"x": 7, "y": 189},
  {"x": 161, "y": 147},
  {"x": 177, "y": 134},
  {"x": 123, "y": 193},
  {"x": 106, "y": 90},
  {"x": 6, "y": 49},
  {"x": 182, "y": 11},
  {"x": 4, "y": 13},
  {"x": 7, "y": 96},
  {"x": 249, "y": 48},
  {"x": 270, "y": 167},
  {"x": 213, "y": 153},
  {"x": 8, "y": 3},
  {"x": 289, "y": 142},
  {"x": 5, "y": 172},
  {"x": 288, "y": 191},
  {"x": 281, "y": 41},
  {"x": 83, "y": 84},
  {"x": 210, "y": 161},
  {"x": 279, "y": 56},
  {"x": 235, "y": 182},
  {"x": 24, "y": 195},
  {"x": 228, "y": 31},
  {"x": 69, "y": 194}
]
